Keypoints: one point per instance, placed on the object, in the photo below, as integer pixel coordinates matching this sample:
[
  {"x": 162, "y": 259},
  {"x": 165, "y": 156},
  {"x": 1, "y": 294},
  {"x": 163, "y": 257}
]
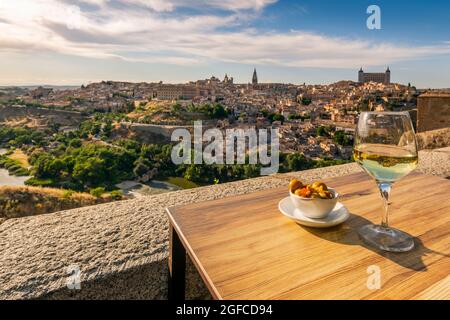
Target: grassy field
[
  {"x": 181, "y": 182},
  {"x": 16, "y": 162},
  {"x": 19, "y": 156}
]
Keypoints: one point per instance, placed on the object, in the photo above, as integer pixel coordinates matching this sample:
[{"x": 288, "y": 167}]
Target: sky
[{"x": 73, "y": 42}]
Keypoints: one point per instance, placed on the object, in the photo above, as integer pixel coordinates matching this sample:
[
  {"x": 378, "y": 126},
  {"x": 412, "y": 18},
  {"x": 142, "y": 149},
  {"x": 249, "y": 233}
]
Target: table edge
[{"x": 206, "y": 279}]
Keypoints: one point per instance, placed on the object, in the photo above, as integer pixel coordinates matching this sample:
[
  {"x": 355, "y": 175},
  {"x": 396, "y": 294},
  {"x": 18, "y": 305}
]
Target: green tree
[
  {"x": 193, "y": 173},
  {"x": 140, "y": 167},
  {"x": 342, "y": 139},
  {"x": 91, "y": 172},
  {"x": 75, "y": 143},
  {"x": 218, "y": 111},
  {"x": 54, "y": 168},
  {"x": 107, "y": 129},
  {"x": 297, "y": 162},
  {"x": 322, "y": 131},
  {"x": 251, "y": 171},
  {"x": 176, "y": 108},
  {"x": 275, "y": 117},
  {"x": 97, "y": 192},
  {"x": 278, "y": 117},
  {"x": 306, "y": 101},
  {"x": 117, "y": 194},
  {"x": 40, "y": 167},
  {"x": 293, "y": 116}
]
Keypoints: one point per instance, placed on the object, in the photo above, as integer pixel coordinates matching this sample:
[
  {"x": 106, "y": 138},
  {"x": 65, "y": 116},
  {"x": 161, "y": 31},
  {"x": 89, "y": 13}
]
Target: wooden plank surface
[{"x": 244, "y": 248}]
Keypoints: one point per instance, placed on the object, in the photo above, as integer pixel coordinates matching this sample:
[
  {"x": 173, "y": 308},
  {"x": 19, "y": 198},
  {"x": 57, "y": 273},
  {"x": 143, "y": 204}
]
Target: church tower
[
  {"x": 387, "y": 76},
  {"x": 361, "y": 75},
  {"x": 255, "y": 77}
]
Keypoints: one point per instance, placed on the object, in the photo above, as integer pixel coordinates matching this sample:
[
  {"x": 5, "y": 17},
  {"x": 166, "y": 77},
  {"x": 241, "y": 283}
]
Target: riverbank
[
  {"x": 7, "y": 179},
  {"x": 14, "y": 164}
]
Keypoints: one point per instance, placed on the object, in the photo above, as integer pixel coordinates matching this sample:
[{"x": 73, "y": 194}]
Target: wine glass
[{"x": 386, "y": 148}]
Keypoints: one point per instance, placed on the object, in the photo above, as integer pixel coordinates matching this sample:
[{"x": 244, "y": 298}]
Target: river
[{"x": 7, "y": 180}]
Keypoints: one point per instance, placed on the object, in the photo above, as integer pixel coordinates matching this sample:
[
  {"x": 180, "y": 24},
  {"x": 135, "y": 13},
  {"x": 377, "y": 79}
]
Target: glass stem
[{"x": 385, "y": 190}]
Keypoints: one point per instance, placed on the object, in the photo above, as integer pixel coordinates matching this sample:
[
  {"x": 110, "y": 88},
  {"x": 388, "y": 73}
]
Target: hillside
[{"x": 18, "y": 202}]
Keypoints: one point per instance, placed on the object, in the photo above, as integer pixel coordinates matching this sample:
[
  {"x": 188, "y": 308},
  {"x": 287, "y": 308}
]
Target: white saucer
[{"x": 337, "y": 216}]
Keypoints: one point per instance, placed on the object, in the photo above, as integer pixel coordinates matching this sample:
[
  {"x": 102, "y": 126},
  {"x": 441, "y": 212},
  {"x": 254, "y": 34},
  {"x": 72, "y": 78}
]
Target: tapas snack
[{"x": 316, "y": 189}]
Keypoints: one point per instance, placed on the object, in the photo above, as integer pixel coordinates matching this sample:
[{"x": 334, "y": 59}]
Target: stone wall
[{"x": 434, "y": 139}]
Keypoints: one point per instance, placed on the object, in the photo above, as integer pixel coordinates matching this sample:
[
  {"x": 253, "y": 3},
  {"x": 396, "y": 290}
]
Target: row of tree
[
  {"x": 74, "y": 162},
  {"x": 16, "y": 137}
]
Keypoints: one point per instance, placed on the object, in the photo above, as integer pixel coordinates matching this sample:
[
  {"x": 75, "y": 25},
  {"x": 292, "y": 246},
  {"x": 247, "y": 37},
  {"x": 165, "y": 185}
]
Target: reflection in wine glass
[{"x": 386, "y": 148}]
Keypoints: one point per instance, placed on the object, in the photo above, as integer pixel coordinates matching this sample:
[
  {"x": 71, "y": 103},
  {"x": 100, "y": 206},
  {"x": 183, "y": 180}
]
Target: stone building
[
  {"x": 433, "y": 111},
  {"x": 381, "y": 77},
  {"x": 228, "y": 80},
  {"x": 176, "y": 92}
]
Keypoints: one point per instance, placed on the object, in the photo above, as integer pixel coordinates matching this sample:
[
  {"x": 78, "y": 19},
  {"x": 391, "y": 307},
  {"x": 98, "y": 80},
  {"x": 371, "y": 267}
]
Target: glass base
[{"x": 387, "y": 239}]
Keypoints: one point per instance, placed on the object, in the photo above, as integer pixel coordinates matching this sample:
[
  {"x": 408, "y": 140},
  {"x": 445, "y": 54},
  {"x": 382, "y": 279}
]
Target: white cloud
[
  {"x": 170, "y": 5},
  {"x": 233, "y": 5},
  {"x": 154, "y": 31},
  {"x": 156, "y": 5}
]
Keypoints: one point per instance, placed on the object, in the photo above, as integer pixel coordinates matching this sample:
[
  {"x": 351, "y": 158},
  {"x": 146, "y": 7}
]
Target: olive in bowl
[{"x": 314, "y": 200}]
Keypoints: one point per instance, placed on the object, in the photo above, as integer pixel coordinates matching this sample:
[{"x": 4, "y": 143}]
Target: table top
[{"x": 244, "y": 248}]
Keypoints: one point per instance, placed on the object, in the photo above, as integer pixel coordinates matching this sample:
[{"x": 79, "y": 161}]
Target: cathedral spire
[{"x": 255, "y": 77}]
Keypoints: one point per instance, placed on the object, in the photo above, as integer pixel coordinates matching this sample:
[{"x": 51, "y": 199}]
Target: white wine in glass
[{"x": 386, "y": 148}]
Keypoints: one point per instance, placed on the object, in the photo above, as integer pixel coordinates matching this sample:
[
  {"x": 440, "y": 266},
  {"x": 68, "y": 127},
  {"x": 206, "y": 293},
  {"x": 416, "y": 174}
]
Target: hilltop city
[{"x": 299, "y": 111}]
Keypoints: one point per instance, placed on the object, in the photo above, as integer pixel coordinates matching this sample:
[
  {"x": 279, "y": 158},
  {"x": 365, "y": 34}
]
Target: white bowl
[{"x": 315, "y": 208}]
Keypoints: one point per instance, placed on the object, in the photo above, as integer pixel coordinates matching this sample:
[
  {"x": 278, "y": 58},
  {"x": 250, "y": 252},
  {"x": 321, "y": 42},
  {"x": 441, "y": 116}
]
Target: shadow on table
[{"x": 347, "y": 234}]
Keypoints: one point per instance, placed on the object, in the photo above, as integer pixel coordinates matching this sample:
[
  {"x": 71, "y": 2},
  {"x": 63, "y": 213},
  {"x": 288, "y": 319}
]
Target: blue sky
[
  {"x": 79, "y": 41},
  {"x": 402, "y": 20}
]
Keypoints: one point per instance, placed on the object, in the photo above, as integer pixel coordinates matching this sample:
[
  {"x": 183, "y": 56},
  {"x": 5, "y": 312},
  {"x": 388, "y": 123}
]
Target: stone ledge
[
  {"x": 121, "y": 248},
  {"x": 434, "y": 139}
]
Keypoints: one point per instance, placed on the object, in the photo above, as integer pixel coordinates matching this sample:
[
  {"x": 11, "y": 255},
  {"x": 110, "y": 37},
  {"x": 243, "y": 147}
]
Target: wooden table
[{"x": 244, "y": 248}]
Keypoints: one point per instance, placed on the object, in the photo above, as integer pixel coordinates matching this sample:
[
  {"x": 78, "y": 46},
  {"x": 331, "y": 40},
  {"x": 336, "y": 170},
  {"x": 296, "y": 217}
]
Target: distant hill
[{"x": 32, "y": 87}]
